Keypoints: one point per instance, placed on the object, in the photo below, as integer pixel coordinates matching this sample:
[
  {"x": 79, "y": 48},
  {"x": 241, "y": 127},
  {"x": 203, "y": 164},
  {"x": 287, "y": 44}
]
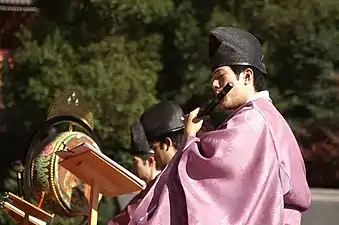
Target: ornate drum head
[{"x": 62, "y": 192}]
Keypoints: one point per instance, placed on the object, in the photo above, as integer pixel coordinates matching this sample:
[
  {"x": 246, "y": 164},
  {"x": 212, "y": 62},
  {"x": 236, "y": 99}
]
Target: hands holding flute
[
  {"x": 194, "y": 120},
  {"x": 192, "y": 127}
]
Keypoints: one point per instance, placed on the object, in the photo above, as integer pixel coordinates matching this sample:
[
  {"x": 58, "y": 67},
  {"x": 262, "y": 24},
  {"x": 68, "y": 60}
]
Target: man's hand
[{"x": 192, "y": 128}]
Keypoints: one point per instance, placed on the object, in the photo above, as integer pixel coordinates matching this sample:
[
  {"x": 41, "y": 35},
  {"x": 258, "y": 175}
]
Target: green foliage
[
  {"x": 108, "y": 73},
  {"x": 4, "y": 219}
]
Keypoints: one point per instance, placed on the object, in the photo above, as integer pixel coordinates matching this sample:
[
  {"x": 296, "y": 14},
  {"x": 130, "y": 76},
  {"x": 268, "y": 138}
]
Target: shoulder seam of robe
[{"x": 283, "y": 175}]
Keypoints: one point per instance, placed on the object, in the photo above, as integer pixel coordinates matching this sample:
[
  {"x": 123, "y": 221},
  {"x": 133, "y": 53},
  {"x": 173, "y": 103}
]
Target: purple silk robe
[{"x": 248, "y": 171}]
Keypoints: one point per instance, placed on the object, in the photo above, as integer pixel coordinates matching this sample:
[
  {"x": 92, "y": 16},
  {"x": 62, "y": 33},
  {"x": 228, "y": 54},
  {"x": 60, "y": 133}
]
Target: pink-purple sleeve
[{"x": 293, "y": 176}]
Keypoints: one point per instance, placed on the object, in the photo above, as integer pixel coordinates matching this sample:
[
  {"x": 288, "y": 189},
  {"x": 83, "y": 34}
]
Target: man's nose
[{"x": 215, "y": 84}]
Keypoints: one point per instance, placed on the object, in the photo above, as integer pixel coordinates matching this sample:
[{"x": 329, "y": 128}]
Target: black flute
[{"x": 211, "y": 106}]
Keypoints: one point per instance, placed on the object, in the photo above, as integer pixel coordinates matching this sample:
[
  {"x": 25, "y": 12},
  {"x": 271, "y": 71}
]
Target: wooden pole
[{"x": 93, "y": 216}]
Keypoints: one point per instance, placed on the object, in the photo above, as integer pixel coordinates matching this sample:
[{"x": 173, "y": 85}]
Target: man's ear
[
  {"x": 168, "y": 142},
  {"x": 150, "y": 160},
  {"x": 248, "y": 76}
]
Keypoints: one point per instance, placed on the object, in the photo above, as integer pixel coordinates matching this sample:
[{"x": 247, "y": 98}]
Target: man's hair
[
  {"x": 177, "y": 138},
  {"x": 257, "y": 76},
  {"x": 144, "y": 157}
]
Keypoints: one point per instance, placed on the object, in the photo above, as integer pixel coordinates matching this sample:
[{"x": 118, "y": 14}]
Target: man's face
[
  {"x": 142, "y": 168},
  {"x": 239, "y": 93},
  {"x": 160, "y": 153}
]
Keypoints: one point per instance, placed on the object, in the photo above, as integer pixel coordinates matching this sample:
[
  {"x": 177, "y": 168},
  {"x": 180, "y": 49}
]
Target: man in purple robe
[
  {"x": 249, "y": 171},
  {"x": 162, "y": 125}
]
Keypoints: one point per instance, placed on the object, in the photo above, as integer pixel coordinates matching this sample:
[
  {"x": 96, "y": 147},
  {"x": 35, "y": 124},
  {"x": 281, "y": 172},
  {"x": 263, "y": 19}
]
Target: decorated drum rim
[
  {"x": 73, "y": 134},
  {"x": 54, "y": 172},
  {"x": 37, "y": 143},
  {"x": 55, "y": 192}
]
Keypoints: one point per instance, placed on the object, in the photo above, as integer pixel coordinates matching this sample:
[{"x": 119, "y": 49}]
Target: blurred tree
[{"x": 322, "y": 156}]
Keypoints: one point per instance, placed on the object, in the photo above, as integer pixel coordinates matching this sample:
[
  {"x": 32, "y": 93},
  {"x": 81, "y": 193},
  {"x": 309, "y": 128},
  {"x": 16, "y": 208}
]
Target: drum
[
  {"x": 49, "y": 185},
  {"x": 62, "y": 192}
]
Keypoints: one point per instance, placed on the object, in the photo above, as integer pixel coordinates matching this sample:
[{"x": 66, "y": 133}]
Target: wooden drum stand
[{"x": 103, "y": 175}]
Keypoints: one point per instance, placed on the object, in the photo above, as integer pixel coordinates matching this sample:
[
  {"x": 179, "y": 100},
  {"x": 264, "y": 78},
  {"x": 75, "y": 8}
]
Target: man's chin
[
  {"x": 224, "y": 106},
  {"x": 228, "y": 108}
]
